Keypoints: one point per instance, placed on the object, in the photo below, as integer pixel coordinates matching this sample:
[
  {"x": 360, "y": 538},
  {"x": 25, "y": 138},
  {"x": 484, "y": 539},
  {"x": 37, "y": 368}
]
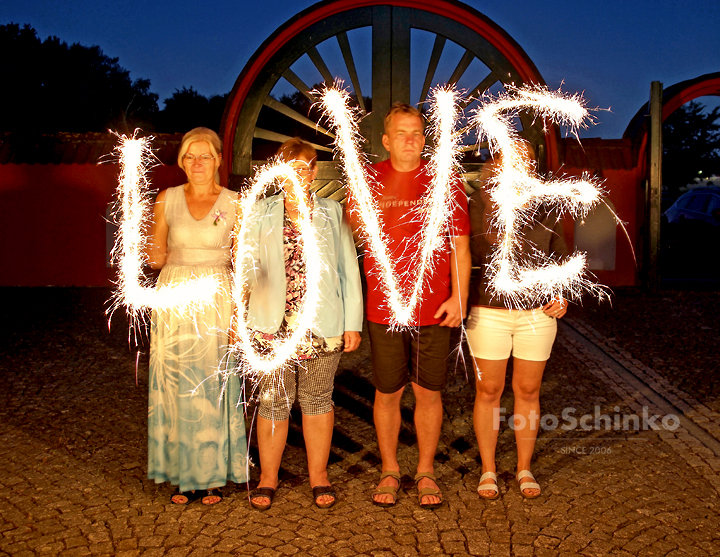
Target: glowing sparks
[
  {"x": 245, "y": 258},
  {"x": 518, "y": 193},
  {"x": 515, "y": 189},
  {"x": 132, "y": 214},
  {"x": 436, "y": 205}
]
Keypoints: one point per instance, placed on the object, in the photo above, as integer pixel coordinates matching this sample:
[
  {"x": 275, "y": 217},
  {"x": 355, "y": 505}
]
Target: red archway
[{"x": 674, "y": 97}]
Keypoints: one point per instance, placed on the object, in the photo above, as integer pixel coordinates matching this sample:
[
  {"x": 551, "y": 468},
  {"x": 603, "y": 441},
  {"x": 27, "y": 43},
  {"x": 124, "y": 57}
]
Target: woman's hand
[
  {"x": 352, "y": 340},
  {"x": 556, "y": 308}
]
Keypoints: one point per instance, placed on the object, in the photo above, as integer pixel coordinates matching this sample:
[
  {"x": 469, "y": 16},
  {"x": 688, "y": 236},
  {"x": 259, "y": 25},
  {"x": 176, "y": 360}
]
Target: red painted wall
[
  {"x": 52, "y": 221},
  {"x": 53, "y": 228},
  {"x": 624, "y": 190}
]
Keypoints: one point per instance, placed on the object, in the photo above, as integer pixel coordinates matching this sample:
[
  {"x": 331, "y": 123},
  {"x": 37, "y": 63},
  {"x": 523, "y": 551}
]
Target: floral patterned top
[{"x": 313, "y": 346}]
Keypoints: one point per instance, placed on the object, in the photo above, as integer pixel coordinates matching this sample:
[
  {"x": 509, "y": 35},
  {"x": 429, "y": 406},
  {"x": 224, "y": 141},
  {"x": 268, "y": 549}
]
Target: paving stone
[
  {"x": 76, "y": 552},
  {"x": 102, "y": 548},
  {"x": 129, "y": 544},
  {"x": 178, "y": 552}
]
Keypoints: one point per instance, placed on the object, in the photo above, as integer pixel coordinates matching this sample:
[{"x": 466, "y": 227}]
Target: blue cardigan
[{"x": 341, "y": 305}]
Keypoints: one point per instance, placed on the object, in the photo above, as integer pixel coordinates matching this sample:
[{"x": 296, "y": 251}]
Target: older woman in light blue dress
[{"x": 196, "y": 431}]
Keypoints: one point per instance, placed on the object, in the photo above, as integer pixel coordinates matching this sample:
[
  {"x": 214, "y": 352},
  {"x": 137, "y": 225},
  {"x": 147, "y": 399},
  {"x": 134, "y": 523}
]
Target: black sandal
[
  {"x": 319, "y": 491},
  {"x": 190, "y": 496},
  {"x": 212, "y": 492},
  {"x": 268, "y": 492}
]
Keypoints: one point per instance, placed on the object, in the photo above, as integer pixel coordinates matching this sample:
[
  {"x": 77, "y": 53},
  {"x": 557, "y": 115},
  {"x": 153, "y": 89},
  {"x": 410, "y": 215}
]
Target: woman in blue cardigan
[{"x": 273, "y": 307}]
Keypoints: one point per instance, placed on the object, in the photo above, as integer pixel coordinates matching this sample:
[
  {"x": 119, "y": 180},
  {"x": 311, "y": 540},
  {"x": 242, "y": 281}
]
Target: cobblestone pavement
[{"x": 73, "y": 450}]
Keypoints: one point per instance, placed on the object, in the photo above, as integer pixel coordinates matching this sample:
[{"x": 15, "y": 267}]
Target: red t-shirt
[{"x": 398, "y": 196}]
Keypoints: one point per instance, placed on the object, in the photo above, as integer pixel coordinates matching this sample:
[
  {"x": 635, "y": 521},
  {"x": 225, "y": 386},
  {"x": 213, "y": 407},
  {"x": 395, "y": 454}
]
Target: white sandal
[
  {"x": 527, "y": 485},
  {"x": 488, "y": 487}
]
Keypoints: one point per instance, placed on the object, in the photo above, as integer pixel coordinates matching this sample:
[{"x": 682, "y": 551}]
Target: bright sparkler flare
[
  {"x": 436, "y": 205},
  {"x": 133, "y": 212},
  {"x": 518, "y": 192},
  {"x": 245, "y": 257}
]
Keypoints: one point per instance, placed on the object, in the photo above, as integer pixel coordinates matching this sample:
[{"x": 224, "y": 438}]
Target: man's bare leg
[
  {"x": 428, "y": 423},
  {"x": 386, "y": 412}
]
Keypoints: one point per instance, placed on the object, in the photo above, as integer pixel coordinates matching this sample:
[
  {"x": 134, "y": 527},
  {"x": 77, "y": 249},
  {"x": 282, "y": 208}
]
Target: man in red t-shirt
[{"x": 418, "y": 354}]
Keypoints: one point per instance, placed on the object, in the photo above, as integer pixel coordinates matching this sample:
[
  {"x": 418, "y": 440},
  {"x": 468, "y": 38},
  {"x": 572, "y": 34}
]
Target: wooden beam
[{"x": 654, "y": 191}]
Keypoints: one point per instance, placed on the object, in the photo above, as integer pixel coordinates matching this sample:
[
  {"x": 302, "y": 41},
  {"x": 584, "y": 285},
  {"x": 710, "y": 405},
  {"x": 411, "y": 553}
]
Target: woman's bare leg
[
  {"x": 272, "y": 437},
  {"x": 527, "y": 377},
  {"x": 489, "y": 385},
  {"x": 317, "y": 430}
]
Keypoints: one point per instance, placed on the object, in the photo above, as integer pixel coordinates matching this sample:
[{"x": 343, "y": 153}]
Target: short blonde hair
[
  {"x": 296, "y": 148},
  {"x": 200, "y": 134},
  {"x": 402, "y": 108}
]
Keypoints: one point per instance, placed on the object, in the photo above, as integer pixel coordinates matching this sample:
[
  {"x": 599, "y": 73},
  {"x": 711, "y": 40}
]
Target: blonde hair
[
  {"x": 402, "y": 108},
  {"x": 201, "y": 134},
  {"x": 296, "y": 148}
]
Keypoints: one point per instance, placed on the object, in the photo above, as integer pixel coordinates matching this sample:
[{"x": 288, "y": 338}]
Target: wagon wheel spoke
[
  {"x": 317, "y": 59},
  {"x": 298, "y": 83},
  {"x": 483, "y": 86},
  {"x": 291, "y": 113},
  {"x": 344, "y": 44},
  {"x": 462, "y": 66},
  {"x": 260, "y": 133},
  {"x": 437, "y": 51}
]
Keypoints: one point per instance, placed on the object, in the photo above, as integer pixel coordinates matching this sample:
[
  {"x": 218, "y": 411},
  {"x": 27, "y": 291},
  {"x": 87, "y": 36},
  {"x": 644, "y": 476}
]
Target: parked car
[{"x": 699, "y": 204}]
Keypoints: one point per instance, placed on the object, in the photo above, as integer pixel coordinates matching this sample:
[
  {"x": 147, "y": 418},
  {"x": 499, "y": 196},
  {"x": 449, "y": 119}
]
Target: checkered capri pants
[{"x": 312, "y": 381}]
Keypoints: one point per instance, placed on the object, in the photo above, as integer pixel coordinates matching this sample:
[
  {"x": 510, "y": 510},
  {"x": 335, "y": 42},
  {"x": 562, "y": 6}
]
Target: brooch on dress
[{"x": 219, "y": 215}]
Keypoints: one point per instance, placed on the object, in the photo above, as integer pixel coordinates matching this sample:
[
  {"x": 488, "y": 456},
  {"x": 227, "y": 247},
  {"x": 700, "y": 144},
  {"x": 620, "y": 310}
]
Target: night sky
[{"x": 611, "y": 50}]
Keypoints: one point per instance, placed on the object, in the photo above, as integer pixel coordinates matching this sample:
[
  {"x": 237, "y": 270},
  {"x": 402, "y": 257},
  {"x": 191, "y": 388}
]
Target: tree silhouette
[
  {"x": 187, "y": 109},
  {"x": 49, "y": 86},
  {"x": 691, "y": 146}
]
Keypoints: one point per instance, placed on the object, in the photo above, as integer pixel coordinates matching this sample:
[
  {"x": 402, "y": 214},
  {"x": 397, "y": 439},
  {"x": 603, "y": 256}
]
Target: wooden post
[{"x": 654, "y": 190}]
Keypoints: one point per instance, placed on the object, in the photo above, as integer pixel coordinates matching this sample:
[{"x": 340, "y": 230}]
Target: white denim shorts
[{"x": 495, "y": 333}]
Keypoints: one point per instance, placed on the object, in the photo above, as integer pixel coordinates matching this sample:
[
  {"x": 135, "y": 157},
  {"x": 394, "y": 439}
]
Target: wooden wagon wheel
[{"x": 466, "y": 48}]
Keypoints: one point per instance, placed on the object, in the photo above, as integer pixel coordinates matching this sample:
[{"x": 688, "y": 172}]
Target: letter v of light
[{"x": 436, "y": 206}]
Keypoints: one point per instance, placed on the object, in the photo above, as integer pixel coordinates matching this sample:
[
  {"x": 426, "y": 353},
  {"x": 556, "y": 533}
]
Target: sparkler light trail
[
  {"x": 245, "y": 259},
  {"x": 436, "y": 205},
  {"x": 518, "y": 193},
  {"x": 132, "y": 214}
]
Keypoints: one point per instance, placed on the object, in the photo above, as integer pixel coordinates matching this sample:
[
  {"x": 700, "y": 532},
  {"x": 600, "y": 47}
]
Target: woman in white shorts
[{"x": 495, "y": 333}]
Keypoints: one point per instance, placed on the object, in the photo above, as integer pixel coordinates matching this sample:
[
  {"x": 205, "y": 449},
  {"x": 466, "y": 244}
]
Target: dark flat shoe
[
  {"x": 319, "y": 491},
  {"x": 190, "y": 496},
  {"x": 268, "y": 492}
]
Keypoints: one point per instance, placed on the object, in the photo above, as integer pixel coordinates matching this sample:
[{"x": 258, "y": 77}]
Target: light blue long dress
[{"x": 196, "y": 430}]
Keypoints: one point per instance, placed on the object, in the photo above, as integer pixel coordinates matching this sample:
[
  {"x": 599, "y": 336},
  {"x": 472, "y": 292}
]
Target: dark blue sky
[{"x": 611, "y": 50}]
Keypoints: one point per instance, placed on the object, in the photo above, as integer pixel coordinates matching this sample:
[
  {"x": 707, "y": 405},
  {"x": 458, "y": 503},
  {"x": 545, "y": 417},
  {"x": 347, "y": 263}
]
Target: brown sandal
[
  {"x": 425, "y": 491},
  {"x": 387, "y": 489}
]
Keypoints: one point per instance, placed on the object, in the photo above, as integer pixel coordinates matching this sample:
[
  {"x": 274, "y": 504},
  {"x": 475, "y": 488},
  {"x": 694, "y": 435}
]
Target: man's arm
[{"x": 455, "y": 307}]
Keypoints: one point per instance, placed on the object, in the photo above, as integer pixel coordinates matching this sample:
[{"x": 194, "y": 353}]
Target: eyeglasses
[
  {"x": 204, "y": 159},
  {"x": 302, "y": 169}
]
